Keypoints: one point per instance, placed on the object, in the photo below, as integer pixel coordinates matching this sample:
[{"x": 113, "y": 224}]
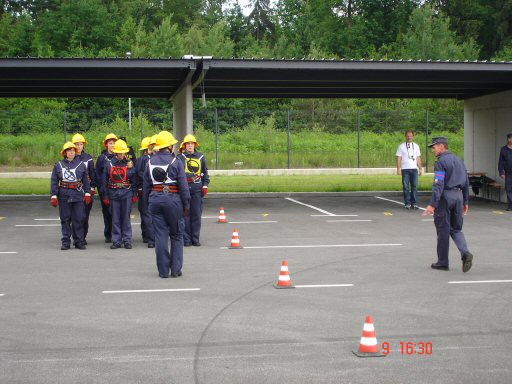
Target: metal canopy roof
[
  {"x": 250, "y": 78},
  {"x": 155, "y": 78}
]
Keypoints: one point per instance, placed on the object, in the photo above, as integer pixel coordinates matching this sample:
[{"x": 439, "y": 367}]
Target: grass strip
[{"x": 313, "y": 183}]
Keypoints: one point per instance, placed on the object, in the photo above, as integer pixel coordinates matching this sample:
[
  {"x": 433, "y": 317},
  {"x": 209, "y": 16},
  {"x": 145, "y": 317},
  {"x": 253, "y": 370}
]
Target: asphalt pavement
[{"x": 104, "y": 316}]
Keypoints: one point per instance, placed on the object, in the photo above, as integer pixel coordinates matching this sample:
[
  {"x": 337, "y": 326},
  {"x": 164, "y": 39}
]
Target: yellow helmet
[
  {"x": 78, "y": 138},
  {"x": 152, "y": 140},
  {"x": 65, "y": 147},
  {"x": 110, "y": 136},
  {"x": 164, "y": 139},
  {"x": 144, "y": 143},
  {"x": 188, "y": 139},
  {"x": 120, "y": 147}
]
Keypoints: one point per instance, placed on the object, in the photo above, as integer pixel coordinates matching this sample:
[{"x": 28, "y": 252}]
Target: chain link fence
[{"x": 239, "y": 139}]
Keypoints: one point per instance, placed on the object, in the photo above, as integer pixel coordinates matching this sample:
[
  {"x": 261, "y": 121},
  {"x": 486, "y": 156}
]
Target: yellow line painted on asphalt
[
  {"x": 388, "y": 214},
  {"x": 1, "y": 217},
  {"x": 498, "y": 212},
  {"x": 265, "y": 214},
  {"x": 132, "y": 216}
]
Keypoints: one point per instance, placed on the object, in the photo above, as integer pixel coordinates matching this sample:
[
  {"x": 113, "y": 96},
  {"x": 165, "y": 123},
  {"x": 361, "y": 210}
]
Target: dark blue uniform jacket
[
  {"x": 176, "y": 172},
  {"x": 449, "y": 173},
  {"x": 89, "y": 165},
  {"x": 70, "y": 171},
  {"x": 505, "y": 161},
  {"x": 123, "y": 180},
  {"x": 196, "y": 170}
]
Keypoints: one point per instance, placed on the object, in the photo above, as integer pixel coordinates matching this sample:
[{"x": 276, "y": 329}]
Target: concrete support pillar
[{"x": 183, "y": 112}]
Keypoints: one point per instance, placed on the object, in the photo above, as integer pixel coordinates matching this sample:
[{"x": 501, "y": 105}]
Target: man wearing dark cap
[
  {"x": 448, "y": 204},
  {"x": 505, "y": 168}
]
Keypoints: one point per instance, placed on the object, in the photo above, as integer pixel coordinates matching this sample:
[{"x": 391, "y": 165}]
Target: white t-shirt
[{"x": 409, "y": 152}]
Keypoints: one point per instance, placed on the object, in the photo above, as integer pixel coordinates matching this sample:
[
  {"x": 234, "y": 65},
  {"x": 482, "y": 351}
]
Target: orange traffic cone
[
  {"x": 235, "y": 240},
  {"x": 222, "y": 216},
  {"x": 368, "y": 347},
  {"x": 284, "y": 280}
]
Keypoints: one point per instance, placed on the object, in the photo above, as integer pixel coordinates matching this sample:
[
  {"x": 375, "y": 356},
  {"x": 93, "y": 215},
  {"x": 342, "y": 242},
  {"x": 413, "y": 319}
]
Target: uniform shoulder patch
[{"x": 439, "y": 176}]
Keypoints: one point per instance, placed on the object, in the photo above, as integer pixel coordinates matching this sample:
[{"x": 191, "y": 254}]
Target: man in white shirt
[{"x": 408, "y": 164}]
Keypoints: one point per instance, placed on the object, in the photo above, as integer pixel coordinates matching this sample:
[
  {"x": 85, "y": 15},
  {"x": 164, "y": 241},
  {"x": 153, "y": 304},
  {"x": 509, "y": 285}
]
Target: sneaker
[
  {"x": 407, "y": 206},
  {"x": 439, "y": 267},
  {"x": 115, "y": 246},
  {"x": 467, "y": 262},
  {"x": 127, "y": 246}
]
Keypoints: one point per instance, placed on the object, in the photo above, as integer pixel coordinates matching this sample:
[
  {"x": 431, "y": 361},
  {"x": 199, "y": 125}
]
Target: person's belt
[
  {"x": 453, "y": 189},
  {"x": 165, "y": 188},
  {"x": 195, "y": 179},
  {"x": 70, "y": 184},
  {"x": 121, "y": 185}
]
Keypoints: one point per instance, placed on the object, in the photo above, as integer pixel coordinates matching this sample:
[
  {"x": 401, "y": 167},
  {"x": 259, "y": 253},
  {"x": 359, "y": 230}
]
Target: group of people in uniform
[{"x": 169, "y": 189}]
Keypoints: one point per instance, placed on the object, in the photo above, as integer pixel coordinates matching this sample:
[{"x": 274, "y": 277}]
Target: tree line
[{"x": 359, "y": 29}]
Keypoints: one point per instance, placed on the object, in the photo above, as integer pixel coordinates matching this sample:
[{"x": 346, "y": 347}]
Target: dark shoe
[
  {"x": 80, "y": 246},
  {"x": 127, "y": 246},
  {"x": 64, "y": 247},
  {"x": 407, "y": 206},
  {"x": 144, "y": 241},
  {"x": 85, "y": 242},
  {"x": 467, "y": 262},
  {"x": 509, "y": 209},
  {"x": 108, "y": 240},
  {"x": 198, "y": 244},
  {"x": 187, "y": 244},
  {"x": 440, "y": 267},
  {"x": 151, "y": 245},
  {"x": 115, "y": 246},
  {"x": 163, "y": 276},
  {"x": 176, "y": 274}
]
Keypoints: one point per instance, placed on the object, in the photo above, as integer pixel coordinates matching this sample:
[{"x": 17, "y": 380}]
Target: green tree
[
  {"x": 165, "y": 40},
  {"x": 429, "y": 37},
  {"x": 259, "y": 21}
]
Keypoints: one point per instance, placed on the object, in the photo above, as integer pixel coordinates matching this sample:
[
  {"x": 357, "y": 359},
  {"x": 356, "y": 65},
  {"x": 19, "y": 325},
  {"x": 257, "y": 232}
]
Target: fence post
[
  {"x": 216, "y": 139},
  {"x": 289, "y": 141},
  {"x": 426, "y": 143},
  {"x": 65, "y": 126},
  {"x": 358, "y": 139}
]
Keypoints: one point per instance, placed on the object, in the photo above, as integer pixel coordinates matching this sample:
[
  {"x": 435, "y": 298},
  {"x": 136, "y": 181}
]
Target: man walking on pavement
[
  {"x": 505, "y": 168},
  {"x": 448, "y": 204},
  {"x": 408, "y": 164}
]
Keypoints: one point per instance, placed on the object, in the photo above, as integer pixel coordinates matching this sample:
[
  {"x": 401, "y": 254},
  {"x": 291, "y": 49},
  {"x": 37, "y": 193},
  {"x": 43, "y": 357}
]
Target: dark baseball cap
[{"x": 439, "y": 140}]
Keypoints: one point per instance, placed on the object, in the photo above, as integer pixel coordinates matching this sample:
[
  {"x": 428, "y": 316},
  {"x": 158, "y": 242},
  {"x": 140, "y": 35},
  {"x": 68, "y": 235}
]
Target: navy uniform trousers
[
  {"x": 120, "y": 210},
  {"x": 193, "y": 222},
  {"x": 508, "y": 188},
  {"x": 72, "y": 216},
  {"x": 166, "y": 212},
  {"x": 146, "y": 222},
  {"x": 107, "y": 219},
  {"x": 448, "y": 219}
]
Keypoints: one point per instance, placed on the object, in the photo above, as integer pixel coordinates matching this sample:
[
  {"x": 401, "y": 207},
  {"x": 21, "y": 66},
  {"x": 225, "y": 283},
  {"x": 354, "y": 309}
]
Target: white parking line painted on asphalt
[
  {"x": 345, "y": 221},
  {"x": 154, "y": 290},
  {"x": 310, "y": 206},
  {"x": 318, "y": 246},
  {"x": 427, "y": 219},
  {"x": 37, "y": 225},
  {"x": 333, "y": 215},
  {"x": 252, "y": 222},
  {"x": 324, "y": 286},
  {"x": 2, "y": 294},
  {"x": 479, "y": 281},
  {"x": 47, "y": 219},
  {"x": 396, "y": 202},
  {"x": 9, "y": 252},
  {"x": 209, "y": 217}
]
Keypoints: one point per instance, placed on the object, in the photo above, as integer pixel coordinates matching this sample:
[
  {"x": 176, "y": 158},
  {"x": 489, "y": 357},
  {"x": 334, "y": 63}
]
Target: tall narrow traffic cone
[
  {"x": 235, "y": 240},
  {"x": 368, "y": 347},
  {"x": 222, "y": 216},
  {"x": 284, "y": 280}
]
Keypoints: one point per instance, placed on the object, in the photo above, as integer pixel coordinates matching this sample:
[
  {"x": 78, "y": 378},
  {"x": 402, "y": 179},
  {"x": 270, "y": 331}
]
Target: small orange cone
[
  {"x": 235, "y": 240},
  {"x": 284, "y": 280},
  {"x": 222, "y": 216},
  {"x": 368, "y": 347}
]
